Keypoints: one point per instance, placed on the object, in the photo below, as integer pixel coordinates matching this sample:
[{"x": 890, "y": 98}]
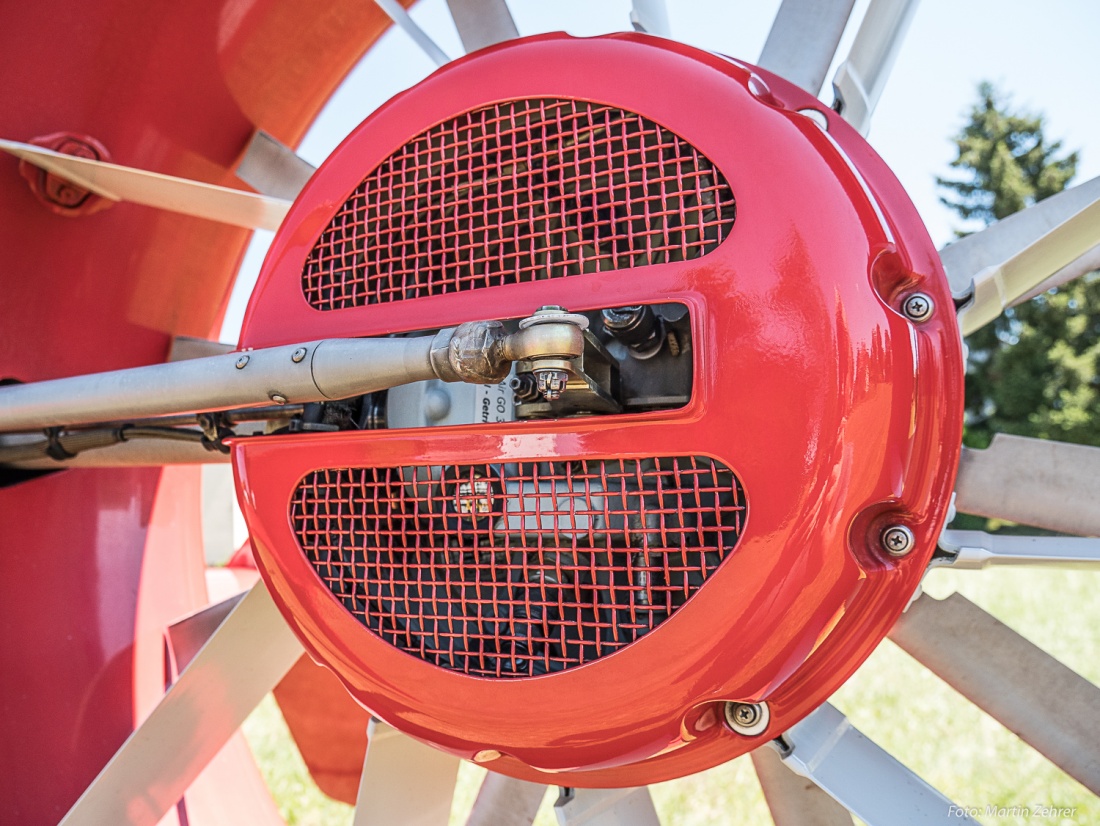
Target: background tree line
[{"x": 1033, "y": 372}]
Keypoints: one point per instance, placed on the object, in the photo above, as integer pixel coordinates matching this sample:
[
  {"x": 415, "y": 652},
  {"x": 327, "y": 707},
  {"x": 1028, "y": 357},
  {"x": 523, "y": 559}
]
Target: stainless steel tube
[
  {"x": 314, "y": 371},
  {"x": 308, "y": 372}
]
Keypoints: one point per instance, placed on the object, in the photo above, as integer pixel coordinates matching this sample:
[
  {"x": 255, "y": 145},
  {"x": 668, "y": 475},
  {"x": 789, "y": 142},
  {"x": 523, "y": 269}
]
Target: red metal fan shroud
[{"x": 837, "y": 414}]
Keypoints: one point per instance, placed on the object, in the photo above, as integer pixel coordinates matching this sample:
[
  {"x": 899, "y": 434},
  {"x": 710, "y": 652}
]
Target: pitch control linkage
[{"x": 479, "y": 352}]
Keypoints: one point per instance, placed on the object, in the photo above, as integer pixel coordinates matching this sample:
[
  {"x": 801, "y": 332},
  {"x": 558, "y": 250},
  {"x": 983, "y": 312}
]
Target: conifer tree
[{"x": 1033, "y": 372}]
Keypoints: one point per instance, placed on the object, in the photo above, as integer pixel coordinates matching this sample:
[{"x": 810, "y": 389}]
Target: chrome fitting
[
  {"x": 898, "y": 540},
  {"x": 747, "y": 719},
  {"x": 918, "y": 307},
  {"x": 548, "y": 340}
]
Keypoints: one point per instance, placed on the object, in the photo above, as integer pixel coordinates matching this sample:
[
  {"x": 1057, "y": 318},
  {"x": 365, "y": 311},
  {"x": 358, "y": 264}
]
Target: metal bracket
[
  {"x": 972, "y": 550},
  {"x": 860, "y": 775},
  {"x": 606, "y": 807}
]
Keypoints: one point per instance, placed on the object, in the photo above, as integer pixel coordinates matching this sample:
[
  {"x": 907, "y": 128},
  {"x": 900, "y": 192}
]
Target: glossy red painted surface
[
  {"x": 837, "y": 414},
  {"x": 93, "y": 562}
]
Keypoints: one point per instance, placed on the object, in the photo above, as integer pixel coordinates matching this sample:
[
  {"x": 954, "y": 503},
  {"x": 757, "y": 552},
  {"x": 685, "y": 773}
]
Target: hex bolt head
[
  {"x": 747, "y": 719},
  {"x": 298, "y": 355},
  {"x": 918, "y": 307},
  {"x": 897, "y": 540},
  {"x": 241, "y": 362}
]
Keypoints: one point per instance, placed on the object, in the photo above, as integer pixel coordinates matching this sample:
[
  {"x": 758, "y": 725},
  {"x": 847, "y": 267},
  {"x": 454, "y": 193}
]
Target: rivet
[
  {"x": 918, "y": 307},
  {"x": 747, "y": 719},
  {"x": 241, "y": 362},
  {"x": 298, "y": 355},
  {"x": 897, "y": 540}
]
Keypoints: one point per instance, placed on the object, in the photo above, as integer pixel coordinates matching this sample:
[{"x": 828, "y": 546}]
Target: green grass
[{"x": 892, "y": 699}]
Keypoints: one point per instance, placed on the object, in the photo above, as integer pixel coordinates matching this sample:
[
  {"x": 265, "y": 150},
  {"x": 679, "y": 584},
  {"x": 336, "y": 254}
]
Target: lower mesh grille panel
[
  {"x": 514, "y": 192},
  {"x": 519, "y": 569}
]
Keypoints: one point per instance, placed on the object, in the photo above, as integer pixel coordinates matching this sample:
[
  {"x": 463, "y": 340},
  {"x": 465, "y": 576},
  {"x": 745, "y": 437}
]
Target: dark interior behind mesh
[
  {"x": 516, "y": 192},
  {"x": 520, "y": 569}
]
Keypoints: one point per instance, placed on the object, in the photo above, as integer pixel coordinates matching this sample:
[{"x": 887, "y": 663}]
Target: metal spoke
[
  {"x": 1003, "y": 284},
  {"x": 506, "y": 801},
  {"x": 124, "y": 183},
  {"x": 971, "y": 550},
  {"x": 792, "y": 799},
  {"x": 861, "y": 78},
  {"x": 965, "y": 259},
  {"x": 482, "y": 23},
  {"x": 1047, "y": 705},
  {"x": 271, "y": 167},
  {"x": 404, "y": 781},
  {"x": 187, "y": 636},
  {"x": 803, "y": 40},
  {"x": 650, "y": 16},
  {"x": 1032, "y": 481},
  {"x": 396, "y": 12},
  {"x": 606, "y": 807},
  {"x": 1089, "y": 262},
  {"x": 860, "y": 775},
  {"x": 242, "y": 661}
]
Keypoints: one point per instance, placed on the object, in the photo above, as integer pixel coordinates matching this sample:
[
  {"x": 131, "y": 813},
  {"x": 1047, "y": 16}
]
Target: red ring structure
[{"x": 837, "y": 414}]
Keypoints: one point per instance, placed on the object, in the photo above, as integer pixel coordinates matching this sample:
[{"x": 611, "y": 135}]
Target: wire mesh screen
[
  {"x": 519, "y": 569},
  {"x": 515, "y": 192}
]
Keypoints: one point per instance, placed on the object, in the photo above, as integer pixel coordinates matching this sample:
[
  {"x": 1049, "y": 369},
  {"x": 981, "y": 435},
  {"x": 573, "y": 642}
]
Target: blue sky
[{"x": 1044, "y": 54}]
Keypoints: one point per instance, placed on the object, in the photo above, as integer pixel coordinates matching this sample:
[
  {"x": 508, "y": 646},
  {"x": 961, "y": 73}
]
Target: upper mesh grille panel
[
  {"x": 516, "y": 192},
  {"x": 521, "y": 569}
]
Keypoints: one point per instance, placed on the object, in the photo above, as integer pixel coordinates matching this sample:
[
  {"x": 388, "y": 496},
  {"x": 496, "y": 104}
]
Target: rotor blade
[
  {"x": 803, "y": 40},
  {"x": 506, "y": 801},
  {"x": 964, "y": 259},
  {"x": 861, "y": 776},
  {"x": 651, "y": 17},
  {"x": 124, "y": 183},
  {"x": 1032, "y": 481},
  {"x": 271, "y": 167},
  {"x": 972, "y": 550},
  {"x": 606, "y": 807},
  {"x": 792, "y": 799},
  {"x": 1047, "y": 705},
  {"x": 243, "y": 660},
  {"x": 404, "y": 781},
  {"x": 861, "y": 78},
  {"x": 1001, "y": 285},
  {"x": 396, "y": 12},
  {"x": 482, "y": 23}
]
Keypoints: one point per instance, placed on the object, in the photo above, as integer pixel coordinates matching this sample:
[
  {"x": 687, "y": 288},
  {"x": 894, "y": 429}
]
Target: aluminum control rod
[{"x": 478, "y": 352}]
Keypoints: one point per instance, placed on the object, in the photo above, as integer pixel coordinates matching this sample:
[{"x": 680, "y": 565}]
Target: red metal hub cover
[{"x": 731, "y": 549}]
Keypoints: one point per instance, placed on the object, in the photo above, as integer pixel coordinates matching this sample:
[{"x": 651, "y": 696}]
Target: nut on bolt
[
  {"x": 918, "y": 307},
  {"x": 897, "y": 540},
  {"x": 747, "y": 719}
]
